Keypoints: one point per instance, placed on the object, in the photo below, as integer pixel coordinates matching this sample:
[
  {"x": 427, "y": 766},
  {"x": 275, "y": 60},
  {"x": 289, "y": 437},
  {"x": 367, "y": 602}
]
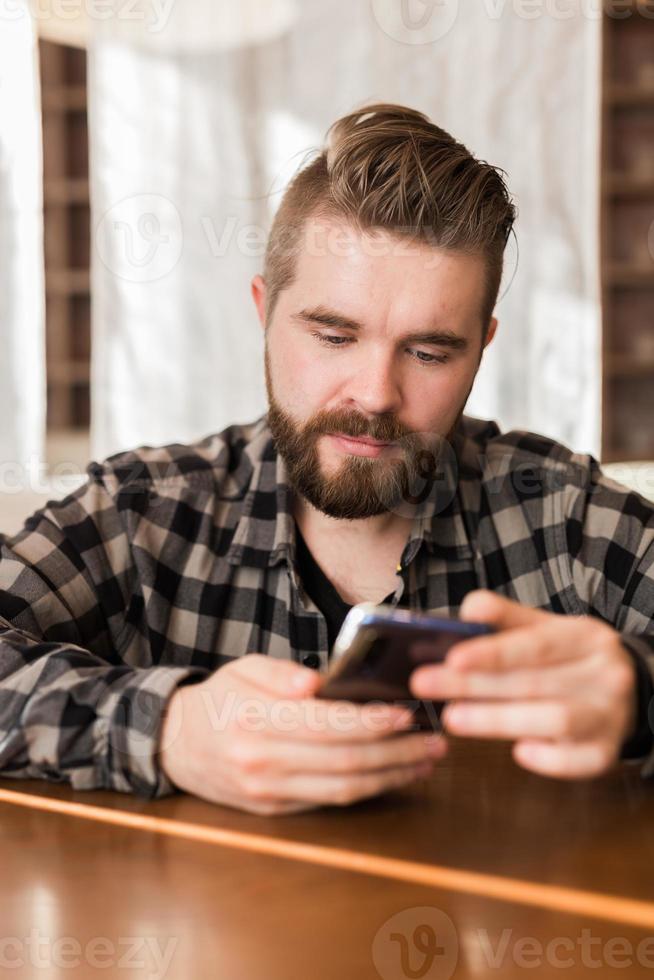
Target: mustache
[{"x": 384, "y": 428}]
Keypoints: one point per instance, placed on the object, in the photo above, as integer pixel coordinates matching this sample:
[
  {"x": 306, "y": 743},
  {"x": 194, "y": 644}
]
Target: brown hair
[{"x": 388, "y": 167}]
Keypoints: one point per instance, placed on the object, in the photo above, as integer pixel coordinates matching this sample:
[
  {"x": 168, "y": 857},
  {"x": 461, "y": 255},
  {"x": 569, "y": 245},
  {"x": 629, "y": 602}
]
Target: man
[{"x": 167, "y": 624}]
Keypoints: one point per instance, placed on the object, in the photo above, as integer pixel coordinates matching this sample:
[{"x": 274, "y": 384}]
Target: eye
[
  {"x": 335, "y": 340},
  {"x": 425, "y": 358},
  {"x": 330, "y": 340}
]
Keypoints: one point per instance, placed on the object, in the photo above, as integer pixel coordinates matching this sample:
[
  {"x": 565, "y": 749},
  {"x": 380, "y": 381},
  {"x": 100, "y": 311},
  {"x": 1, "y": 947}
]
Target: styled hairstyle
[{"x": 389, "y": 168}]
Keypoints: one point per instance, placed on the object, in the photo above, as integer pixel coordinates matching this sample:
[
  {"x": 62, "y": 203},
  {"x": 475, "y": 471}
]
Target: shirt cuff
[
  {"x": 639, "y": 747},
  {"x": 129, "y": 757}
]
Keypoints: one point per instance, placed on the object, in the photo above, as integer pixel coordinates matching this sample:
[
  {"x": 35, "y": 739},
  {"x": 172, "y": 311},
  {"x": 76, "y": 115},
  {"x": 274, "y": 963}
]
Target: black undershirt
[{"x": 321, "y": 590}]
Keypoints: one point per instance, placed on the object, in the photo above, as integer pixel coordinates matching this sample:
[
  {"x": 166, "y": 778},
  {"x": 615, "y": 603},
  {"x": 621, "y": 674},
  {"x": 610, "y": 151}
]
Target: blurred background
[{"x": 144, "y": 146}]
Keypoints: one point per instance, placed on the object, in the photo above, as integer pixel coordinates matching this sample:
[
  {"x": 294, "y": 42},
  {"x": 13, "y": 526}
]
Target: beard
[{"x": 417, "y": 475}]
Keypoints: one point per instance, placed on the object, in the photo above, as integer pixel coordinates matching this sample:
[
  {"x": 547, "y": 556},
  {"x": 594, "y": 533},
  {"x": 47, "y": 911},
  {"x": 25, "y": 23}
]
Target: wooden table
[{"x": 483, "y": 870}]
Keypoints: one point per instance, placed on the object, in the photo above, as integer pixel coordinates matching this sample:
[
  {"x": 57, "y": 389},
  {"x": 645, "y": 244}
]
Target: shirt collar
[{"x": 265, "y": 531}]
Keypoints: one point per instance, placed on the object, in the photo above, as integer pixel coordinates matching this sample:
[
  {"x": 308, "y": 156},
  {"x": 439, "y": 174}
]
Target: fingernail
[
  {"x": 454, "y": 716},
  {"x": 420, "y": 685},
  {"x": 301, "y": 679}
]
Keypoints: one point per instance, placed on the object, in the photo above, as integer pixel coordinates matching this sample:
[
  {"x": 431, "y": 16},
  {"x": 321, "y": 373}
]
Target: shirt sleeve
[
  {"x": 79, "y": 703},
  {"x": 641, "y": 742},
  {"x": 610, "y": 532}
]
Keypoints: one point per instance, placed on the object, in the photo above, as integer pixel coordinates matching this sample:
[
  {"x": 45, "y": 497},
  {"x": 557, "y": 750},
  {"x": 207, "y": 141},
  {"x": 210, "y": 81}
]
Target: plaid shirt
[{"x": 170, "y": 560}]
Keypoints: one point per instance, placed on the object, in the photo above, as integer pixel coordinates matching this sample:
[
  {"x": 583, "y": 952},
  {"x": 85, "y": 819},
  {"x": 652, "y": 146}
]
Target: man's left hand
[{"x": 562, "y": 687}]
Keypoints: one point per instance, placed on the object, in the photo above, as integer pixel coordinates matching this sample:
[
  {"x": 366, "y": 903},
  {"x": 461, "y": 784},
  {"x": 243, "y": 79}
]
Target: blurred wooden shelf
[
  {"x": 67, "y": 282},
  {"x": 69, "y": 372},
  {"x": 624, "y": 274},
  {"x": 628, "y": 185},
  {"x": 626, "y": 233},
  {"x": 66, "y": 190},
  {"x": 629, "y": 96},
  {"x": 622, "y": 454},
  {"x": 64, "y": 98},
  {"x": 66, "y": 235},
  {"x": 629, "y": 366}
]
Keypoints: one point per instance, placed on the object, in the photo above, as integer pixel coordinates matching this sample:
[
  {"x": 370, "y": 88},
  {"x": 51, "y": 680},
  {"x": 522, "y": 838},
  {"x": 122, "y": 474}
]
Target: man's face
[{"x": 377, "y": 339}]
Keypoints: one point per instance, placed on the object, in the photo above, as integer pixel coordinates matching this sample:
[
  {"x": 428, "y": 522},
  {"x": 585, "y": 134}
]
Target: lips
[
  {"x": 361, "y": 446},
  {"x": 363, "y": 439}
]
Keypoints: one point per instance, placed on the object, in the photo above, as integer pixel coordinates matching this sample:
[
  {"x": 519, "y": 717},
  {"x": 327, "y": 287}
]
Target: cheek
[
  {"x": 435, "y": 403},
  {"x": 301, "y": 382}
]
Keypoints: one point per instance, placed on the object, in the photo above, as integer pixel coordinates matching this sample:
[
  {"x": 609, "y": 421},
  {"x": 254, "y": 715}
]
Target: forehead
[{"x": 358, "y": 271}]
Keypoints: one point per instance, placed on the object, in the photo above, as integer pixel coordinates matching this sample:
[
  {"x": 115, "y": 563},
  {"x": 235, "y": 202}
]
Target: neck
[
  {"x": 369, "y": 532},
  {"x": 361, "y": 557}
]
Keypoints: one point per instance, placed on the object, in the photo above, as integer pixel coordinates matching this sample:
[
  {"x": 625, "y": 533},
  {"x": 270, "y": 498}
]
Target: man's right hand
[{"x": 253, "y": 736}]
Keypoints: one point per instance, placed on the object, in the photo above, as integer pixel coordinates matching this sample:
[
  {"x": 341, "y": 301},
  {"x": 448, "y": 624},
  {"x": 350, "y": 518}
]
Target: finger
[
  {"x": 319, "y": 720},
  {"x": 338, "y": 790},
  {"x": 552, "y": 641},
  {"x": 282, "y": 677},
  {"x": 484, "y": 606},
  {"x": 569, "y": 761},
  {"x": 445, "y": 684},
  {"x": 525, "y": 719},
  {"x": 244, "y": 707},
  {"x": 291, "y": 681},
  {"x": 268, "y": 807},
  {"x": 282, "y": 808},
  {"x": 279, "y": 758}
]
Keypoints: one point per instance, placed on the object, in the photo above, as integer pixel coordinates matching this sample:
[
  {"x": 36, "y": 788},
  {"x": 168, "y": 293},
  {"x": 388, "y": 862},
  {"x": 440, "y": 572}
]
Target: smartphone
[{"x": 377, "y": 649}]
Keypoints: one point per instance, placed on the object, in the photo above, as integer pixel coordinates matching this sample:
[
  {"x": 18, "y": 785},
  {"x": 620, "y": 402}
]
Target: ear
[
  {"x": 258, "y": 290},
  {"x": 491, "y": 331}
]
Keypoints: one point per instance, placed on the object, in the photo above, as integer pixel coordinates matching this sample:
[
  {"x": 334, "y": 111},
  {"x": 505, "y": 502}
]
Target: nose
[{"x": 375, "y": 387}]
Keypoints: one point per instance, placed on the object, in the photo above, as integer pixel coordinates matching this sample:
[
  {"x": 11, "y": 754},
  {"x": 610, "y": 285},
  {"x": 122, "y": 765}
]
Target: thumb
[
  {"x": 484, "y": 606},
  {"x": 281, "y": 677}
]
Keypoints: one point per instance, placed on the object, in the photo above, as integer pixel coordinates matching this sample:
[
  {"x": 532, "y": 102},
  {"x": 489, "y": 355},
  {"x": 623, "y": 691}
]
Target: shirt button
[{"x": 311, "y": 660}]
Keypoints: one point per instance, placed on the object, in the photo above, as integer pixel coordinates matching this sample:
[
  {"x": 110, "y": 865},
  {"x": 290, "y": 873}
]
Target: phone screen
[{"x": 374, "y": 658}]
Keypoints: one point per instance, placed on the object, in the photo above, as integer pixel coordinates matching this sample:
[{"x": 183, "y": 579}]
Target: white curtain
[
  {"x": 22, "y": 341},
  {"x": 197, "y": 118}
]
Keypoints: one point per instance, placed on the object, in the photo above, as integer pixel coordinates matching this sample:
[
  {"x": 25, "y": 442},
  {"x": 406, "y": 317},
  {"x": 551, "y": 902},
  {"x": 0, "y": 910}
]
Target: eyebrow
[{"x": 330, "y": 318}]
